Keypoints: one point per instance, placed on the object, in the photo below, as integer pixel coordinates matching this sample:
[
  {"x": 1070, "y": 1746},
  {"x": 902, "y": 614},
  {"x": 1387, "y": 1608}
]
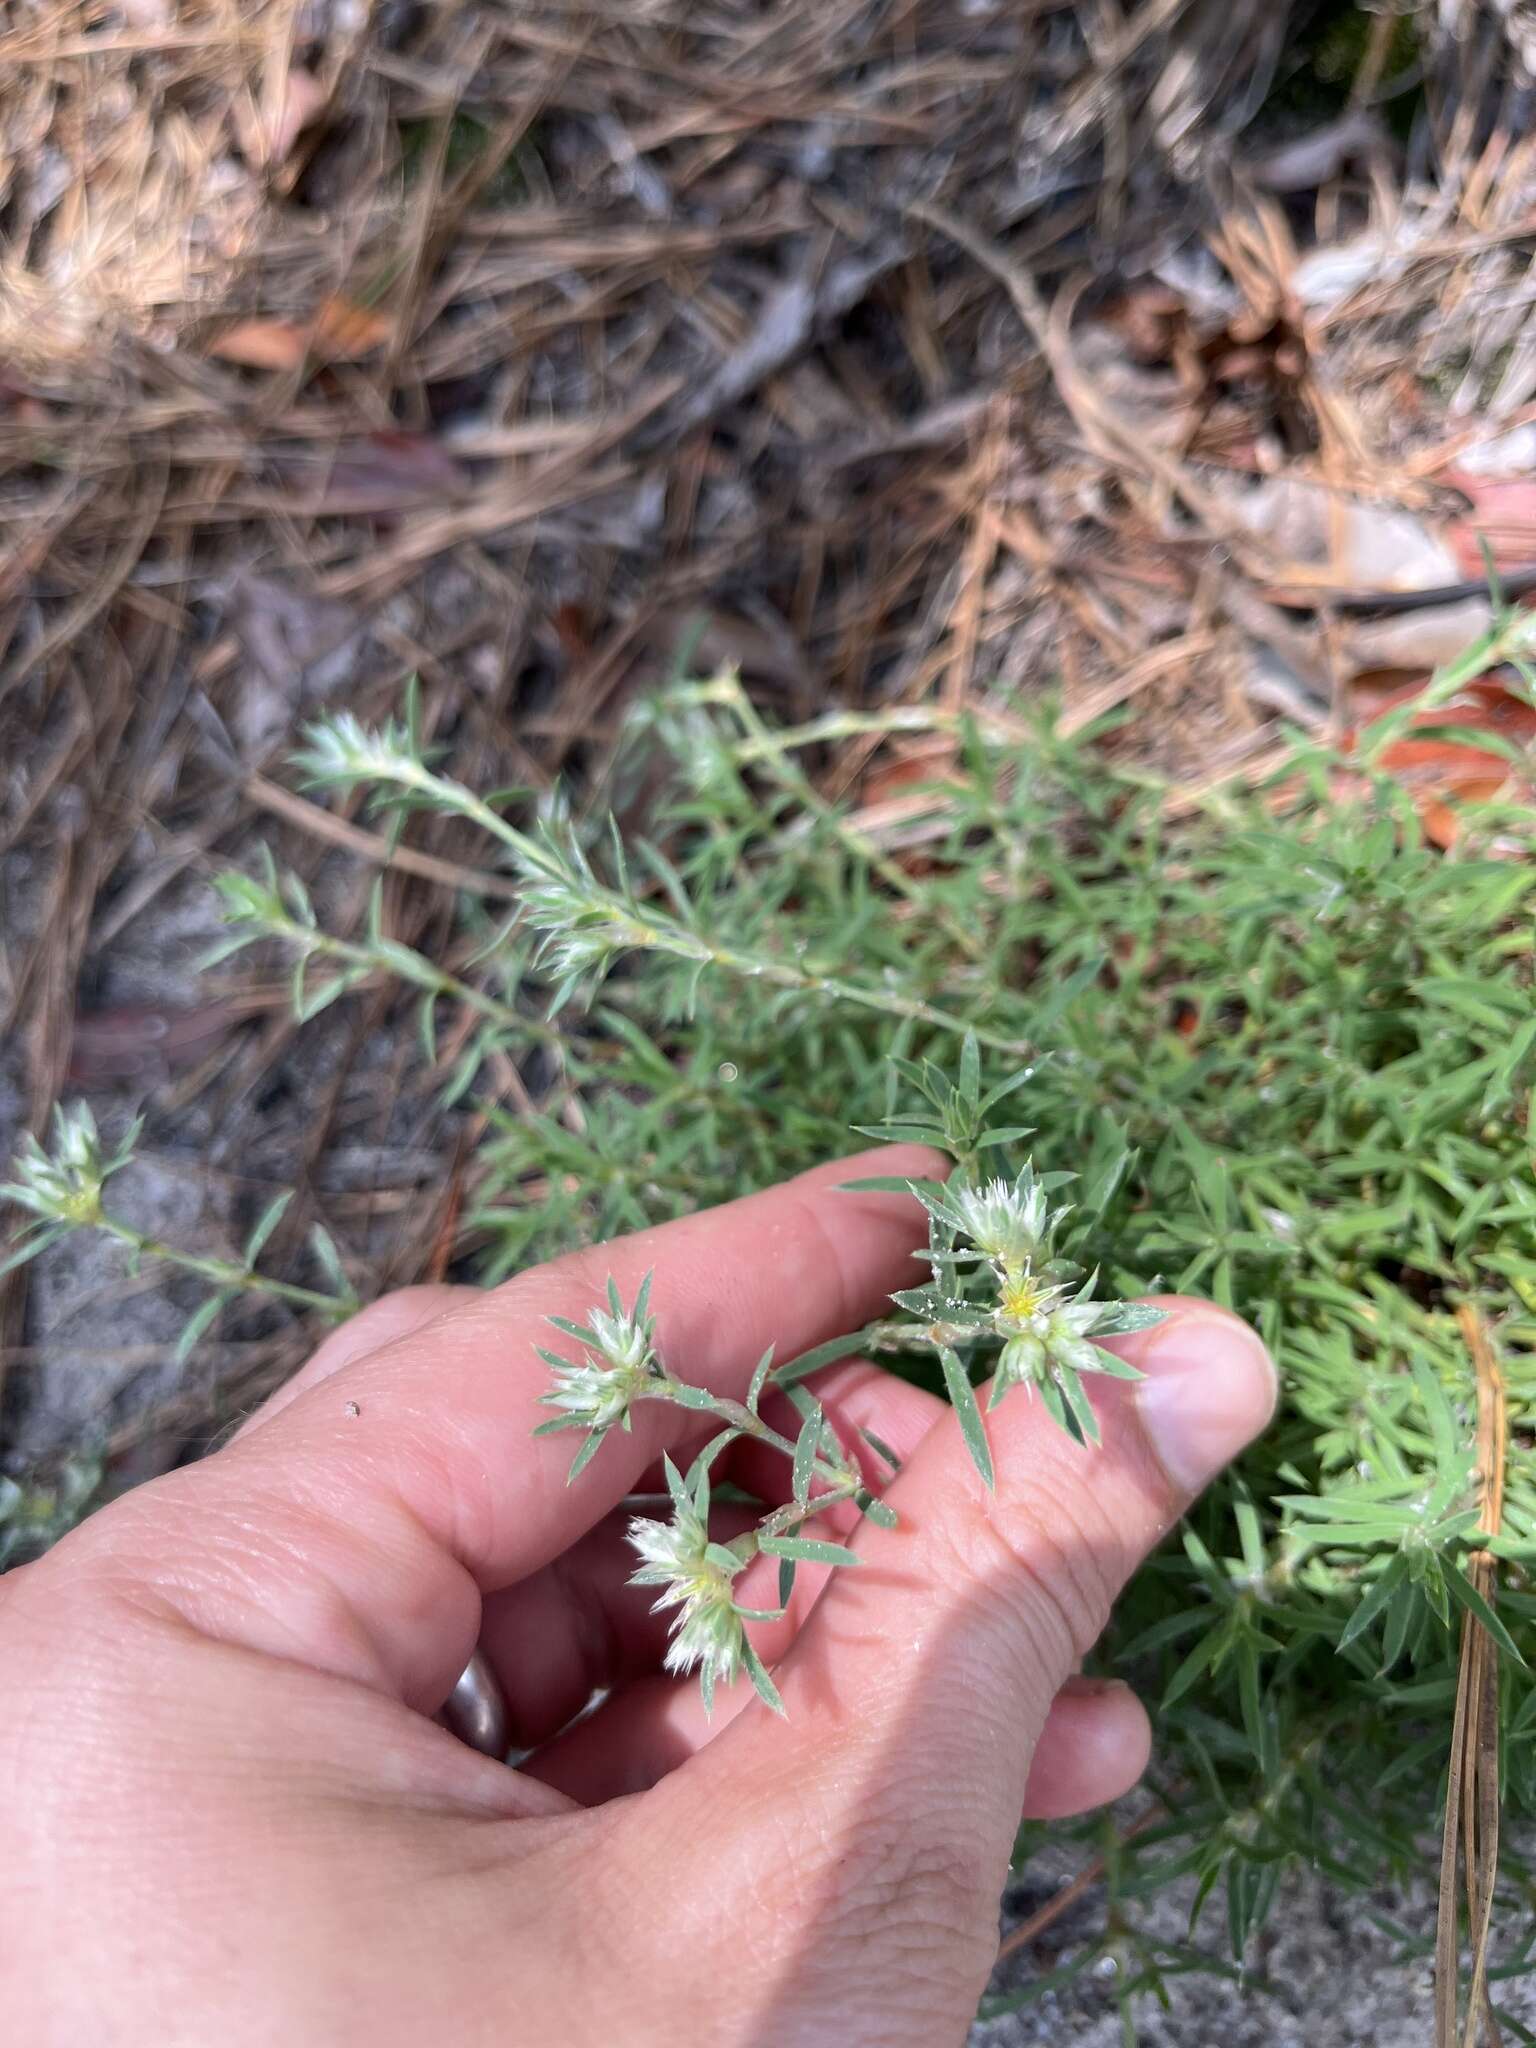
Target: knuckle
[{"x": 1048, "y": 1554}]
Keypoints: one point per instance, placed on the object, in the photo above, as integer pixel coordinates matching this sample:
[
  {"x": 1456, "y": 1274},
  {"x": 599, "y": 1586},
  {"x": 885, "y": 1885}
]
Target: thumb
[{"x": 917, "y": 1690}]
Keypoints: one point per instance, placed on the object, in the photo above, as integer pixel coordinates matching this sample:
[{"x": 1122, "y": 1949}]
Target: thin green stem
[
  {"x": 410, "y": 966},
  {"x": 889, "y": 1002},
  {"x": 739, "y": 1416},
  {"x": 660, "y": 933},
  {"x": 793, "y": 778},
  {"x": 794, "y": 1512},
  {"x": 223, "y": 1273}
]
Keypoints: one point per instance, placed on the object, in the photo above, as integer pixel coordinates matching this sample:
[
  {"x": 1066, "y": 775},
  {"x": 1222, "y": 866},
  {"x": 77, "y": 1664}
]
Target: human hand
[{"x": 232, "y": 1821}]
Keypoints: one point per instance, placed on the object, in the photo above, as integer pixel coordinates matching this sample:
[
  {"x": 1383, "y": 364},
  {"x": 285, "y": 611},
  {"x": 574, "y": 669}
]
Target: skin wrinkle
[{"x": 223, "y": 1589}]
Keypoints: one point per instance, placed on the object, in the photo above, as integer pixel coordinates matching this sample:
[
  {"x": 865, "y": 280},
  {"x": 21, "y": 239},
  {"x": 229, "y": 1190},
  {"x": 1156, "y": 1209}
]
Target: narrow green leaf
[
  {"x": 586, "y": 1454},
  {"x": 686, "y": 1396},
  {"x": 757, "y": 1671},
  {"x": 1465, "y": 1594},
  {"x": 970, "y": 1073},
  {"x": 323, "y": 1245},
  {"x": 806, "y": 1446},
  {"x": 28, "y": 1246},
  {"x": 1078, "y": 1404},
  {"x": 883, "y": 1449},
  {"x": 681, "y": 1495},
  {"x": 1198, "y": 1661},
  {"x": 268, "y": 1221},
  {"x": 962, "y": 1397},
  {"x": 759, "y": 1377},
  {"x": 1373, "y": 1601},
  {"x": 824, "y": 1354},
  {"x": 897, "y": 1133},
  {"x": 197, "y": 1323},
  {"x": 786, "y": 1580},
  {"x": 807, "y": 1550}
]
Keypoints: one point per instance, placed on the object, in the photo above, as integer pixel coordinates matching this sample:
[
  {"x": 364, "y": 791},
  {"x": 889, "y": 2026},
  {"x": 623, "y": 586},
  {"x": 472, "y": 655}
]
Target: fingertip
[
  {"x": 1094, "y": 1748},
  {"x": 1210, "y": 1387}
]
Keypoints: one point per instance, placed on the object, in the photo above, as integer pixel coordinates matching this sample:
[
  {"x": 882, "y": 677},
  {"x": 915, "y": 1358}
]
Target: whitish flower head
[
  {"x": 707, "y": 1632},
  {"x": 622, "y": 1340},
  {"x": 340, "y": 750},
  {"x": 583, "y": 922},
  {"x": 620, "y": 1365},
  {"x": 1045, "y": 1332},
  {"x": 1005, "y": 1220},
  {"x": 64, "y": 1183},
  {"x": 593, "y": 1395}
]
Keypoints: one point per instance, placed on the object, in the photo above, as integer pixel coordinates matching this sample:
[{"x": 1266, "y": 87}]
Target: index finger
[{"x": 356, "y": 1528}]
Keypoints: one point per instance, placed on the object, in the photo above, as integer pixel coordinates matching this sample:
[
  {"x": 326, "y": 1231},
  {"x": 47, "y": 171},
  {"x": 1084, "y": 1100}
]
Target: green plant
[
  {"x": 1026, "y": 1308},
  {"x": 1282, "y": 1048}
]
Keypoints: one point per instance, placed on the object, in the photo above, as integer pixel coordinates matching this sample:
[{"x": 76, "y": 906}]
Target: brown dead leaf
[
  {"x": 262, "y": 345},
  {"x": 1441, "y": 773},
  {"x": 344, "y": 330},
  {"x": 341, "y": 332},
  {"x": 910, "y": 766},
  {"x": 141, "y": 1040},
  {"x": 388, "y": 471}
]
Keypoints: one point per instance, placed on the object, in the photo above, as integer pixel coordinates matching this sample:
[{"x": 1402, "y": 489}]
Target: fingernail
[
  {"x": 1210, "y": 1388},
  {"x": 1082, "y": 1687}
]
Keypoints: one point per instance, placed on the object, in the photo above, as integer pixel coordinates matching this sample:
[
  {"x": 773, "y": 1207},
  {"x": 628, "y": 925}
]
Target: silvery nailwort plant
[
  {"x": 61, "y": 1187},
  {"x": 997, "y": 1295}
]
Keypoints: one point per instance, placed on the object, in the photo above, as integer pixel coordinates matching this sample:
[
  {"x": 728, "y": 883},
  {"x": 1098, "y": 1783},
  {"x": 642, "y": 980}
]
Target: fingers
[
  {"x": 393, "y": 1315},
  {"x": 1015, "y": 1586},
  {"x": 356, "y": 1528},
  {"x": 1093, "y": 1748},
  {"x": 918, "y": 1691}
]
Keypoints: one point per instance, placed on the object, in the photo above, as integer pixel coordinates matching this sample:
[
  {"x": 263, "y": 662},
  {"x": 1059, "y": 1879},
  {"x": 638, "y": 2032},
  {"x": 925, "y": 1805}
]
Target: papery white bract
[
  {"x": 340, "y": 750},
  {"x": 593, "y": 1395},
  {"x": 1005, "y": 1220},
  {"x": 707, "y": 1634},
  {"x": 620, "y": 1367}
]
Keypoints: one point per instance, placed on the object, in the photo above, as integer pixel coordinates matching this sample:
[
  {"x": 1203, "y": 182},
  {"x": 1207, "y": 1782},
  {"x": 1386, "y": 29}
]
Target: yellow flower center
[{"x": 1022, "y": 1295}]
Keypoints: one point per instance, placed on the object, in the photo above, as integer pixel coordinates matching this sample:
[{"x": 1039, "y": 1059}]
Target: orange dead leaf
[
  {"x": 910, "y": 766},
  {"x": 262, "y": 345},
  {"x": 1502, "y": 518},
  {"x": 1440, "y": 773},
  {"x": 344, "y": 330},
  {"x": 341, "y": 332}
]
